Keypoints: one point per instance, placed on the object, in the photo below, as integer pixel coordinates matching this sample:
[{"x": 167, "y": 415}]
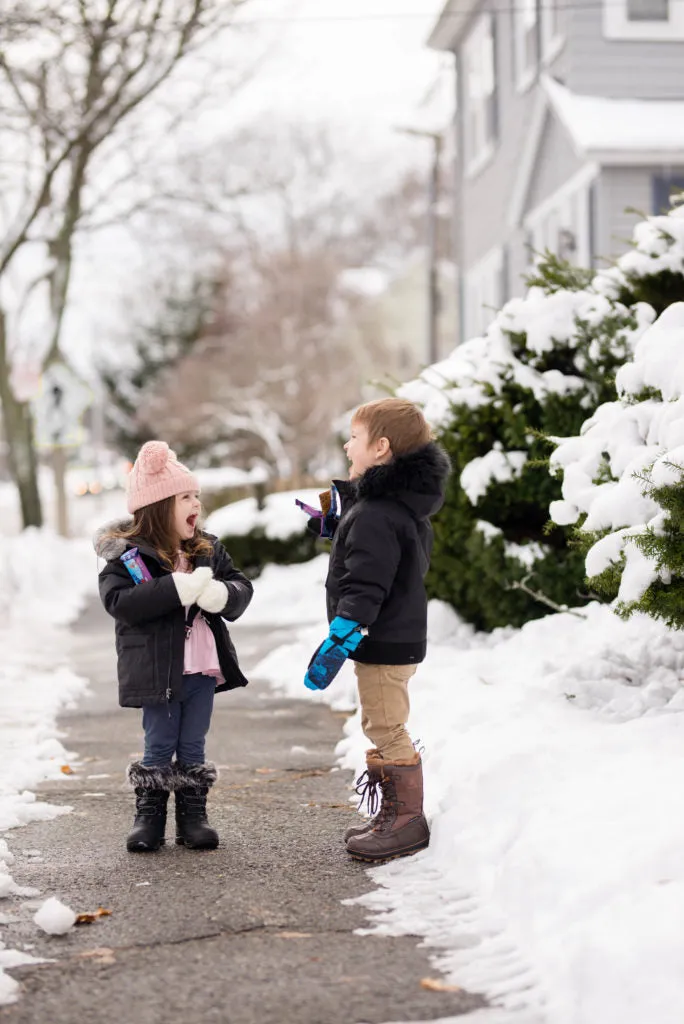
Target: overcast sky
[{"x": 356, "y": 62}]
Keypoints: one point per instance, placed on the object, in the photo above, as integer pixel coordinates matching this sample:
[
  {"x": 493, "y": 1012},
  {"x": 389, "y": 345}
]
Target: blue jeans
[{"x": 180, "y": 726}]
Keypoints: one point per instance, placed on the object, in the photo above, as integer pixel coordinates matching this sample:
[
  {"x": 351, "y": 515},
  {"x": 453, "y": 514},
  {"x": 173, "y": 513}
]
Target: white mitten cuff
[
  {"x": 214, "y": 597},
  {"x": 191, "y": 584}
]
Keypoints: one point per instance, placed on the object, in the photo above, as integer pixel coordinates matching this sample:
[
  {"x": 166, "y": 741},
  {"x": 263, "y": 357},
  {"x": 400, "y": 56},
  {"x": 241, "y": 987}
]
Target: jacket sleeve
[
  {"x": 240, "y": 590},
  {"x": 372, "y": 557},
  {"x": 135, "y": 604}
]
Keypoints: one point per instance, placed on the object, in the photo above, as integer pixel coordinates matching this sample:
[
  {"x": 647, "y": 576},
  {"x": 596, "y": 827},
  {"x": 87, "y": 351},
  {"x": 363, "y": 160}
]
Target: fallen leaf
[
  {"x": 294, "y": 935},
  {"x": 103, "y": 955},
  {"x": 435, "y": 985},
  {"x": 91, "y": 918},
  {"x": 66, "y": 769}
]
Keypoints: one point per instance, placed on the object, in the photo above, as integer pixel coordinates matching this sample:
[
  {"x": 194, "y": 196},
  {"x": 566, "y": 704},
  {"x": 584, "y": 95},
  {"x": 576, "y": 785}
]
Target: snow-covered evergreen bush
[
  {"x": 544, "y": 366},
  {"x": 623, "y": 479}
]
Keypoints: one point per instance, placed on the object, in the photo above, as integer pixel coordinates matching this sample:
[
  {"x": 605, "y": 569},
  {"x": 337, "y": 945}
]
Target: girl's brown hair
[{"x": 154, "y": 524}]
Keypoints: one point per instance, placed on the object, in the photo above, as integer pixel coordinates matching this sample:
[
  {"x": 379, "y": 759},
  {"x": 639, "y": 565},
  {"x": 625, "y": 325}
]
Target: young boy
[{"x": 377, "y": 607}]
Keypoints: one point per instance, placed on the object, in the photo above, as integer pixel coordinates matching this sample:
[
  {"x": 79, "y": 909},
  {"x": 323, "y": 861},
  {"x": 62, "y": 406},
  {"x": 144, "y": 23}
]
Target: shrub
[{"x": 542, "y": 369}]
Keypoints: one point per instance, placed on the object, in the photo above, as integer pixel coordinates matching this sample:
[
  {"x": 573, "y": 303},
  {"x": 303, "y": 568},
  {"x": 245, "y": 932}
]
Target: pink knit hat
[{"x": 157, "y": 474}]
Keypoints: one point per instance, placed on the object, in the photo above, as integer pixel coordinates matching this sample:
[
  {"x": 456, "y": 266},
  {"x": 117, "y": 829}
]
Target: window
[
  {"x": 485, "y": 292},
  {"x": 479, "y": 101},
  {"x": 526, "y": 42},
  {"x": 648, "y": 10},
  {"x": 655, "y": 20},
  {"x": 664, "y": 188}
]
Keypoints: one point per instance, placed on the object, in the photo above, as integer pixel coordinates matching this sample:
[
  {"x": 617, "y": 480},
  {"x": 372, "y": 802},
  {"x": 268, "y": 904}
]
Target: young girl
[{"x": 174, "y": 650}]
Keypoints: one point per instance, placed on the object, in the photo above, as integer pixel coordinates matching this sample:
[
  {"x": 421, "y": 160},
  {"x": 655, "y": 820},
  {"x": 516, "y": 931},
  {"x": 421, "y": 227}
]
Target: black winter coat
[
  {"x": 150, "y": 622},
  {"x": 381, "y": 552}
]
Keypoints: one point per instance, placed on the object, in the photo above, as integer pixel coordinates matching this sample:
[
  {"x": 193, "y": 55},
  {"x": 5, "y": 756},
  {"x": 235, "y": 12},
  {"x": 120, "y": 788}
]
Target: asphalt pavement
[{"x": 255, "y": 932}]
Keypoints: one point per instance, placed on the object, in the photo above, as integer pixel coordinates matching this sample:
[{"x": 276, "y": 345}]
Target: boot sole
[
  {"x": 195, "y": 846},
  {"x": 383, "y": 858}
]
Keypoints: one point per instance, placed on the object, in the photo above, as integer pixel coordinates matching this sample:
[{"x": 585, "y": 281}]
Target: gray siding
[
  {"x": 620, "y": 69},
  {"x": 622, "y": 190},
  {"x": 557, "y": 161},
  {"x": 486, "y": 198}
]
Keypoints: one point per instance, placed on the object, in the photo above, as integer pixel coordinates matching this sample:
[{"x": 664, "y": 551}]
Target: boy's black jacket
[
  {"x": 150, "y": 621},
  {"x": 381, "y": 552}
]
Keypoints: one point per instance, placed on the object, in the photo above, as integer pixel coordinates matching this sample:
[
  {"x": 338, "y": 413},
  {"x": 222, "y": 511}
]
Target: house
[{"x": 567, "y": 115}]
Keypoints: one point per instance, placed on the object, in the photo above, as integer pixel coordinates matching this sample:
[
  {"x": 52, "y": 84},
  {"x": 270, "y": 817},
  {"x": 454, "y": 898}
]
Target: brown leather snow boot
[
  {"x": 401, "y": 828},
  {"x": 367, "y": 786}
]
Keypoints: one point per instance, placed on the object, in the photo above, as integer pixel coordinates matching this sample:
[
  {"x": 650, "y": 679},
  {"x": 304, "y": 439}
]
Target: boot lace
[
  {"x": 149, "y": 805},
  {"x": 367, "y": 786},
  {"x": 193, "y": 804}
]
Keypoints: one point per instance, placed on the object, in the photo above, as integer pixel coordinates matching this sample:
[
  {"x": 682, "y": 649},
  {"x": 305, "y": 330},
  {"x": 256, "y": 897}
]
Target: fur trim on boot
[
  {"x": 143, "y": 776},
  {"x": 192, "y": 828},
  {"x": 195, "y": 775}
]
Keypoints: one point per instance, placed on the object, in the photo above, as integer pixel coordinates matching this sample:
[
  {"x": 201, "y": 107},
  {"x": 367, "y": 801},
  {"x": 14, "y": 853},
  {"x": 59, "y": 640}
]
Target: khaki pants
[{"x": 383, "y": 693}]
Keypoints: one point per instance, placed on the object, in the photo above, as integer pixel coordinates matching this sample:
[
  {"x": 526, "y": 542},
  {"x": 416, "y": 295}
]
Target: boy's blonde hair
[{"x": 397, "y": 419}]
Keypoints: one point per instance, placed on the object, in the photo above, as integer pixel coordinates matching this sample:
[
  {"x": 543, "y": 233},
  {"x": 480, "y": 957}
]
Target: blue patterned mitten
[{"x": 344, "y": 637}]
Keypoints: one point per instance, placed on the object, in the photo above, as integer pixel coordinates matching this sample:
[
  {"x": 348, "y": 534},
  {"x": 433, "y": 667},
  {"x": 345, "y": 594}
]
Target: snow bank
[
  {"x": 44, "y": 583},
  {"x": 554, "y": 882},
  {"x": 279, "y": 519}
]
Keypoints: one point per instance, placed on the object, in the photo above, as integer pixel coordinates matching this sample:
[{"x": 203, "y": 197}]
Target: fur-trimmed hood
[
  {"x": 109, "y": 547},
  {"x": 417, "y": 479}
]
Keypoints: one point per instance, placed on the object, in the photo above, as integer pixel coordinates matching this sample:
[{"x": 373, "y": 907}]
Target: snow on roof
[{"x": 603, "y": 127}]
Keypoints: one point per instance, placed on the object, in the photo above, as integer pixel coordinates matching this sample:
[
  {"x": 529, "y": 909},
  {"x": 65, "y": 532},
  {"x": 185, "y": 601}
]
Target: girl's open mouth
[{"x": 192, "y": 521}]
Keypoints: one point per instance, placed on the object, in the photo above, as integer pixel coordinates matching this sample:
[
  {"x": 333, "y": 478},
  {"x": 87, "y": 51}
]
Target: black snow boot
[
  {"x": 193, "y": 782},
  {"x": 152, "y": 787}
]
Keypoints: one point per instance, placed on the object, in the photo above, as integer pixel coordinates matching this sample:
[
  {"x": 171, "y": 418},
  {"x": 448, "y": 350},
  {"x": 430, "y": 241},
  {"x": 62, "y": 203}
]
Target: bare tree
[{"x": 73, "y": 74}]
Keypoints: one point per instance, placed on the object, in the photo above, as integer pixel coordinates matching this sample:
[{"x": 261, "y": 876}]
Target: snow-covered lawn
[
  {"x": 279, "y": 519},
  {"x": 43, "y": 584},
  {"x": 554, "y": 771}
]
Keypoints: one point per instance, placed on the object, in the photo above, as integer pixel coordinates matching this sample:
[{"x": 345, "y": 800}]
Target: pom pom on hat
[
  {"x": 154, "y": 455},
  {"x": 157, "y": 474}
]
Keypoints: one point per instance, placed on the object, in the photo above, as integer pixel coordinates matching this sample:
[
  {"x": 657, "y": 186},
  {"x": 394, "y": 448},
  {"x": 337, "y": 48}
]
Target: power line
[{"x": 599, "y": 5}]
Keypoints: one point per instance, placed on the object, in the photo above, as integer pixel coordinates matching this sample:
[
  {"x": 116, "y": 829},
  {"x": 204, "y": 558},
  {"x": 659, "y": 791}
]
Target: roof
[
  {"x": 621, "y": 131},
  {"x": 450, "y": 24}
]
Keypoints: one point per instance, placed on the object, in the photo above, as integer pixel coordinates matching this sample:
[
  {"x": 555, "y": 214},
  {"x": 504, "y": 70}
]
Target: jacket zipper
[{"x": 168, "y": 675}]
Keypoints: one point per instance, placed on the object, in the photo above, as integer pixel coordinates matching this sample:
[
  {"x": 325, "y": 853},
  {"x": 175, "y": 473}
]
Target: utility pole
[{"x": 434, "y": 297}]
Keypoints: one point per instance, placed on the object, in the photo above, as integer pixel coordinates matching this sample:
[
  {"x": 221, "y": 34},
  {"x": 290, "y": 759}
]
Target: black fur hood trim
[{"x": 423, "y": 472}]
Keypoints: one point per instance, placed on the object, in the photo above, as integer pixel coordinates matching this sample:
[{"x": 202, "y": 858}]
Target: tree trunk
[{"x": 18, "y": 429}]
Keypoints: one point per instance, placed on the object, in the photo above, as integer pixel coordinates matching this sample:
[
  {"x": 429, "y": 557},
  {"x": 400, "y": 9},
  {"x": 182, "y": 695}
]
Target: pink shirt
[{"x": 200, "y": 647}]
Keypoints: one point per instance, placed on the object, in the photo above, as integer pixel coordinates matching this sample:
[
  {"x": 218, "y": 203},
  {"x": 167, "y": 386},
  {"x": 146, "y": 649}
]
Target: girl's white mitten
[
  {"x": 191, "y": 584},
  {"x": 214, "y": 597}
]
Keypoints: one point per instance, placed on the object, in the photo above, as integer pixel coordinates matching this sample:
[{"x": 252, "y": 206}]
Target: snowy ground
[
  {"x": 43, "y": 585},
  {"x": 554, "y": 772}
]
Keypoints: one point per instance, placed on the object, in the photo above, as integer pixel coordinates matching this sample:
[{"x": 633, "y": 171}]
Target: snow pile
[
  {"x": 278, "y": 520},
  {"x": 622, "y": 440},
  {"x": 54, "y": 917},
  {"x": 43, "y": 586},
  {"x": 554, "y": 881}
]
